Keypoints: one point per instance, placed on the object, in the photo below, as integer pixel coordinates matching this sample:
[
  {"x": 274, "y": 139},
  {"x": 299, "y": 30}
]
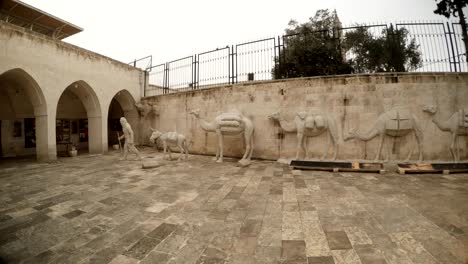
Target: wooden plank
[
  {"x": 444, "y": 168},
  {"x": 337, "y": 166}
]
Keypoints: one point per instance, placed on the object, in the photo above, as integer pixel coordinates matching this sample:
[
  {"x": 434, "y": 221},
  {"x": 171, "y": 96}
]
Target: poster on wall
[
  {"x": 66, "y": 130},
  {"x": 74, "y": 126},
  {"x": 17, "y": 128},
  {"x": 83, "y": 129},
  {"x": 58, "y": 130},
  {"x": 29, "y": 132}
]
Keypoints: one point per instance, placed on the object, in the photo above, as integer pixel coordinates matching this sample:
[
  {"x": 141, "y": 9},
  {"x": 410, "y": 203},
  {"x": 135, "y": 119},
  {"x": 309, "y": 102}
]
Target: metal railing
[{"x": 440, "y": 46}]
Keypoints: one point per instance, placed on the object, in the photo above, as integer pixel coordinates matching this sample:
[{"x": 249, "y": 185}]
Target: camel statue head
[
  {"x": 350, "y": 135},
  {"x": 430, "y": 109},
  {"x": 275, "y": 116},
  {"x": 195, "y": 112},
  {"x": 155, "y": 135}
]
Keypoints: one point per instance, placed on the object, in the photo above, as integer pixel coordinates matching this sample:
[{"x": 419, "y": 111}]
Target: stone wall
[
  {"x": 354, "y": 101},
  {"x": 43, "y": 68}
]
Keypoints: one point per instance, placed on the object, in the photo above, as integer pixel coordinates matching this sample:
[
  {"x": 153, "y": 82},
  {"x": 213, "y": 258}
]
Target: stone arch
[
  {"x": 89, "y": 100},
  {"x": 125, "y": 101},
  {"x": 21, "y": 81}
]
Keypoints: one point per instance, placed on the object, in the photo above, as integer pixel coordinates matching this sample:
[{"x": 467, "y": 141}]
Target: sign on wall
[{"x": 29, "y": 132}]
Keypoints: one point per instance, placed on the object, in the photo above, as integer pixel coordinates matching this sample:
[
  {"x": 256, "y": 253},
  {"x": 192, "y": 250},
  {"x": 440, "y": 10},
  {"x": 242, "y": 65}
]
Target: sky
[{"x": 173, "y": 29}]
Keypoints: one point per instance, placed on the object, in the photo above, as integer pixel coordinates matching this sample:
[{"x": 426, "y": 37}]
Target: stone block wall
[{"x": 354, "y": 101}]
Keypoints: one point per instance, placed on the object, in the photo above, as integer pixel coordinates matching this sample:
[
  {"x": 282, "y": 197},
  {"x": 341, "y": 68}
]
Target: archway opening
[
  {"x": 122, "y": 105},
  {"x": 78, "y": 121},
  {"x": 23, "y": 117}
]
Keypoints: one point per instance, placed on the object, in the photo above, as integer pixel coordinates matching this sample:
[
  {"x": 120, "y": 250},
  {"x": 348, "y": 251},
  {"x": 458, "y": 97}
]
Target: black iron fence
[{"x": 439, "y": 44}]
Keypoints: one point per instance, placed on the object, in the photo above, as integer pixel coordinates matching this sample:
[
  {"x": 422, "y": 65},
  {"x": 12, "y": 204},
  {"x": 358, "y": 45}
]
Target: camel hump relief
[{"x": 400, "y": 117}]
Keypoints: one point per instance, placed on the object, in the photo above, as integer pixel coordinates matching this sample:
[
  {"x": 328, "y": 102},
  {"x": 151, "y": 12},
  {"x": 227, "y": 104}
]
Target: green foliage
[
  {"x": 450, "y": 7},
  {"x": 311, "y": 49},
  {"x": 390, "y": 52},
  {"x": 317, "y": 47},
  {"x": 454, "y": 8}
]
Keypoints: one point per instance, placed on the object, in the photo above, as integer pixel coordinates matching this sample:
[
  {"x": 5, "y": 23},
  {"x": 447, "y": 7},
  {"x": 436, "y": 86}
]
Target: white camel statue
[
  {"x": 393, "y": 123},
  {"x": 310, "y": 125},
  {"x": 457, "y": 125},
  {"x": 230, "y": 123},
  {"x": 171, "y": 139}
]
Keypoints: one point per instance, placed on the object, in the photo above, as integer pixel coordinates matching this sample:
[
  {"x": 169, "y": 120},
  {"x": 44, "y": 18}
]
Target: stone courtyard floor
[{"x": 96, "y": 209}]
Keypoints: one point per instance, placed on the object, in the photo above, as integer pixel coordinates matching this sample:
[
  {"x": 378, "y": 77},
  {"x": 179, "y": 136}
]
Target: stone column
[
  {"x": 46, "y": 149},
  {"x": 95, "y": 135}
]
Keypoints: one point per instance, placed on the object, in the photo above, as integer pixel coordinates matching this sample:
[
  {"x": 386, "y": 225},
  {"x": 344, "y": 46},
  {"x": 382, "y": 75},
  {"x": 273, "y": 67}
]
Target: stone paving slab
[{"x": 96, "y": 209}]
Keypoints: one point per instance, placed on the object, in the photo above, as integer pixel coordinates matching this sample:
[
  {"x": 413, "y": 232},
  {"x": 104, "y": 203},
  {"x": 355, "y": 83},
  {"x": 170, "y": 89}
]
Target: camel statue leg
[
  {"x": 220, "y": 145},
  {"x": 248, "y": 139},
  {"x": 217, "y": 152},
  {"x": 166, "y": 150},
  {"x": 457, "y": 147},
  {"x": 334, "y": 142},
  {"x": 410, "y": 153},
  {"x": 186, "y": 148},
  {"x": 379, "y": 149},
  {"x": 181, "y": 148},
  {"x": 334, "y": 136},
  {"x": 251, "y": 147},
  {"x": 389, "y": 148},
  {"x": 324, "y": 155},
  {"x": 217, "y": 148},
  {"x": 452, "y": 146},
  {"x": 300, "y": 144},
  {"x": 419, "y": 139}
]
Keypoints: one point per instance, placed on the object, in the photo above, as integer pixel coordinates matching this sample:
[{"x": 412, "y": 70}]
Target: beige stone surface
[
  {"x": 39, "y": 69},
  {"x": 93, "y": 209},
  {"x": 355, "y": 101}
]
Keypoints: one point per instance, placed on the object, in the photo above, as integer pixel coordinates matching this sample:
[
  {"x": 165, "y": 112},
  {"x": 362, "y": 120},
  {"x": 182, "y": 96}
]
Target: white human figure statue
[{"x": 129, "y": 143}]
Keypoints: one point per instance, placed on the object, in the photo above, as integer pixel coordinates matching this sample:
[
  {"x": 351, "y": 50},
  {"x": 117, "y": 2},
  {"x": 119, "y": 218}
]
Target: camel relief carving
[
  {"x": 457, "y": 125},
  {"x": 144, "y": 109},
  {"x": 394, "y": 123},
  {"x": 171, "y": 139},
  {"x": 231, "y": 123},
  {"x": 310, "y": 125}
]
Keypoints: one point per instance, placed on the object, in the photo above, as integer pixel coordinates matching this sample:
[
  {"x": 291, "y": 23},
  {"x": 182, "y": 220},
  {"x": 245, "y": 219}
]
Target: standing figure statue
[{"x": 129, "y": 143}]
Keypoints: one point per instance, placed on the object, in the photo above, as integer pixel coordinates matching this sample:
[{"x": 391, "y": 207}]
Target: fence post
[
  {"x": 166, "y": 78},
  {"x": 234, "y": 64},
  {"x": 194, "y": 72},
  {"x": 278, "y": 68},
  {"x": 451, "y": 48},
  {"x": 144, "y": 84}
]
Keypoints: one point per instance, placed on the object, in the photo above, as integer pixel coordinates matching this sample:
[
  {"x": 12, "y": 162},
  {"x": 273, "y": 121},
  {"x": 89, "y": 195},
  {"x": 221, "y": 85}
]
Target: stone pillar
[
  {"x": 95, "y": 135},
  {"x": 46, "y": 149}
]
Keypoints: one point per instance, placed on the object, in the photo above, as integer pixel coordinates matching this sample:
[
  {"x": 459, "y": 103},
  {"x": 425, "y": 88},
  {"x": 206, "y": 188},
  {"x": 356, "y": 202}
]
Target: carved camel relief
[
  {"x": 393, "y": 123},
  {"x": 231, "y": 123},
  {"x": 310, "y": 125},
  {"x": 171, "y": 139},
  {"x": 457, "y": 125}
]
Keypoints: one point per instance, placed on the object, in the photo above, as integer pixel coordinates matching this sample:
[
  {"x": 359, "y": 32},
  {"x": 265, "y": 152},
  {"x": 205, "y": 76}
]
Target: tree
[
  {"x": 448, "y": 8},
  {"x": 311, "y": 48},
  {"x": 390, "y": 52}
]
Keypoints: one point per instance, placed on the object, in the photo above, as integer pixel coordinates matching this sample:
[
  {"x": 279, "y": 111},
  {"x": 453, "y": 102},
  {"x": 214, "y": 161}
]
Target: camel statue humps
[
  {"x": 310, "y": 125},
  {"x": 231, "y": 123},
  {"x": 457, "y": 125},
  {"x": 394, "y": 123},
  {"x": 171, "y": 139}
]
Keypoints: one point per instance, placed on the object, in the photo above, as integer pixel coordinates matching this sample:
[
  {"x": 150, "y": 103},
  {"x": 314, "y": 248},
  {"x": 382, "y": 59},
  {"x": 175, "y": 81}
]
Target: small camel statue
[
  {"x": 230, "y": 123},
  {"x": 457, "y": 125},
  {"x": 171, "y": 139},
  {"x": 310, "y": 125},
  {"x": 394, "y": 123}
]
